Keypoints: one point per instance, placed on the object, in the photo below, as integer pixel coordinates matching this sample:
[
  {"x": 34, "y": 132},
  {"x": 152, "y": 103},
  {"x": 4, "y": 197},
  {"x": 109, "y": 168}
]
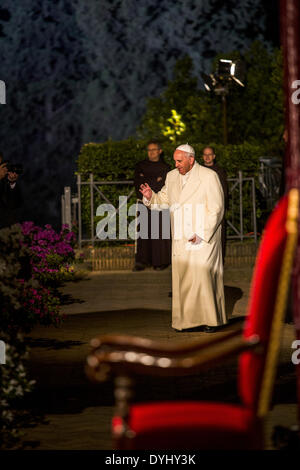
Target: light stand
[{"x": 219, "y": 82}]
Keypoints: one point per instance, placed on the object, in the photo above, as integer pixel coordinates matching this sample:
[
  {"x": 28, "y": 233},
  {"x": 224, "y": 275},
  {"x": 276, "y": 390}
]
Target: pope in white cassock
[{"x": 196, "y": 201}]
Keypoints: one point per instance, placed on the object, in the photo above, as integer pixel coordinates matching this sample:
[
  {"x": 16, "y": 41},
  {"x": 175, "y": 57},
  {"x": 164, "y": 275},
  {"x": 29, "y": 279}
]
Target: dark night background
[{"x": 78, "y": 71}]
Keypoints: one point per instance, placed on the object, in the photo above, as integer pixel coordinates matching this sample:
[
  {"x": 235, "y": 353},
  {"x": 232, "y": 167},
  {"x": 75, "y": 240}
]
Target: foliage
[
  {"x": 174, "y": 127},
  {"x": 115, "y": 161},
  {"x": 254, "y": 112},
  {"x": 14, "y": 266},
  {"x": 15, "y": 385},
  {"x": 175, "y": 96}
]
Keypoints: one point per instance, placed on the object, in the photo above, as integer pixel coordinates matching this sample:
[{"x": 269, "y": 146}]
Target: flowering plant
[
  {"x": 29, "y": 256},
  {"x": 25, "y": 301},
  {"x": 41, "y": 305},
  {"x": 51, "y": 253}
]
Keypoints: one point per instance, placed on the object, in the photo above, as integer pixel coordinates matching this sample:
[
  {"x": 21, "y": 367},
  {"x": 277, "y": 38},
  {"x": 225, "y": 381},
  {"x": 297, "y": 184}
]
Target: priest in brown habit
[{"x": 152, "y": 250}]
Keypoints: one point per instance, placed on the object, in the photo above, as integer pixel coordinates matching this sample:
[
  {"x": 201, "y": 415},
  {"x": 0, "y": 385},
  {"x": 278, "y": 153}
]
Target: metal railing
[
  {"x": 270, "y": 180},
  {"x": 94, "y": 186},
  {"x": 72, "y": 206},
  {"x": 236, "y": 184}
]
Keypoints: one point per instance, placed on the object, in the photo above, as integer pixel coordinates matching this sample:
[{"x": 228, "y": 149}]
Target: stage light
[
  {"x": 223, "y": 69},
  {"x": 229, "y": 70}
]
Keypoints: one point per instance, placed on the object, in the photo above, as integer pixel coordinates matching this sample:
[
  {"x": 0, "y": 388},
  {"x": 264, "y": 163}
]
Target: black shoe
[
  {"x": 210, "y": 329},
  {"x": 193, "y": 329},
  {"x": 161, "y": 268},
  {"x": 138, "y": 267}
]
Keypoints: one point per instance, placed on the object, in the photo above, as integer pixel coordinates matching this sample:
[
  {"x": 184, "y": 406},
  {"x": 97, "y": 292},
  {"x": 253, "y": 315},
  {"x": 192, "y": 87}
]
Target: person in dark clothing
[
  {"x": 209, "y": 160},
  {"x": 150, "y": 251},
  {"x": 10, "y": 196}
]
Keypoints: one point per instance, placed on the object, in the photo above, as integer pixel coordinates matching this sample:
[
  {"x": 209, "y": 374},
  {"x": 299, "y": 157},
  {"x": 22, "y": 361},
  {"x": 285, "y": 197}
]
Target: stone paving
[{"x": 79, "y": 413}]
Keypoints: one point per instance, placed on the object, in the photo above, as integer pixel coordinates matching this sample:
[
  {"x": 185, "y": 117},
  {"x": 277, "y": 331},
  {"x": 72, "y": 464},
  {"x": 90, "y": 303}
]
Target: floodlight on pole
[{"x": 227, "y": 72}]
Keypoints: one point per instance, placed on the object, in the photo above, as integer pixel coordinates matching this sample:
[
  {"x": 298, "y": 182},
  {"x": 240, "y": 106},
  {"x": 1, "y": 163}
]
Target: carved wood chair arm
[
  {"x": 106, "y": 359},
  {"x": 125, "y": 342}
]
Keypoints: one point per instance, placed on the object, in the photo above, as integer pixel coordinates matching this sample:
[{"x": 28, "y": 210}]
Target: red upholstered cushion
[
  {"x": 262, "y": 300},
  {"x": 193, "y": 425}
]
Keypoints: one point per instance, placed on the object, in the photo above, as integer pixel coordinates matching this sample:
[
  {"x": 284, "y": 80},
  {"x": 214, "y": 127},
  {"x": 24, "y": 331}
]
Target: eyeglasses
[
  {"x": 153, "y": 150},
  {"x": 207, "y": 154}
]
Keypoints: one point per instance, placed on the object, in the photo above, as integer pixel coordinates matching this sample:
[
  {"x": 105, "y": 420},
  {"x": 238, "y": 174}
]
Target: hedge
[{"x": 116, "y": 160}]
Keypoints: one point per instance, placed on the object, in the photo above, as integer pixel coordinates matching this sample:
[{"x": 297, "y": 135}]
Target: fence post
[
  {"x": 67, "y": 198},
  {"x": 2, "y": 352},
  {"x": 92, "y": 206},
  {"x": 63, "y": 214},
  {"x": 2, "y": 92},
  {"x": 254, "y": 210},
  {"x": 241, "y": 204},
  {"x": 79, "y": 210}
]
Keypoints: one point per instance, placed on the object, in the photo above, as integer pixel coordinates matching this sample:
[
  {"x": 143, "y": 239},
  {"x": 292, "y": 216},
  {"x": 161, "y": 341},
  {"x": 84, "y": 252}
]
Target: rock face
[{"x": 82, "y": 71}]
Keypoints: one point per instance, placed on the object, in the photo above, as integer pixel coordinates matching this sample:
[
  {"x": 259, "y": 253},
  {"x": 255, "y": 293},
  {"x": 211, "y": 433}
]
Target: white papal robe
[{"x": 196, "y": 203}]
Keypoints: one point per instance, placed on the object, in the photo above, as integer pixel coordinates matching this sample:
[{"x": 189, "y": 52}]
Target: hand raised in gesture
[{"x": 146, "y": 191}]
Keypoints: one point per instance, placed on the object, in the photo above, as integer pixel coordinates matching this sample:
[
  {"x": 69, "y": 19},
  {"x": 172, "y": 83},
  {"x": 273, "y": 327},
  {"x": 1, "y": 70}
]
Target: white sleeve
[
  {"x": 214, "y": 207},
  {"x": 146, "y": 202},
  {"x": 161, "y": 198}
]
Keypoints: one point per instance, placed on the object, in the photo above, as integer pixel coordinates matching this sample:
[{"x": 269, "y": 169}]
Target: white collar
[{"x": 188, "y": 174}]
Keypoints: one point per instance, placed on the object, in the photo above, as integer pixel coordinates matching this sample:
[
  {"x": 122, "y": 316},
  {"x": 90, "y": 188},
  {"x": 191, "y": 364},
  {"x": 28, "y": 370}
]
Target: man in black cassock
[
  {"x": 153, "y": 170},
  {"x": 209, "y": 160},
  {"x": 10, "y": 196}
]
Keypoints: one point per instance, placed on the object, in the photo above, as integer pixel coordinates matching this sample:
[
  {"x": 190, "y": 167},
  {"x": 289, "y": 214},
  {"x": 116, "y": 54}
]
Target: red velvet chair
[{"x": 208, "y": 425}]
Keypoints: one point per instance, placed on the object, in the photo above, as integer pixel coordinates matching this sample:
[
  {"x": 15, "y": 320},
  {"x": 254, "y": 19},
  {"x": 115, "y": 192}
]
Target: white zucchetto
[{"x": 186, "y": 148}]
